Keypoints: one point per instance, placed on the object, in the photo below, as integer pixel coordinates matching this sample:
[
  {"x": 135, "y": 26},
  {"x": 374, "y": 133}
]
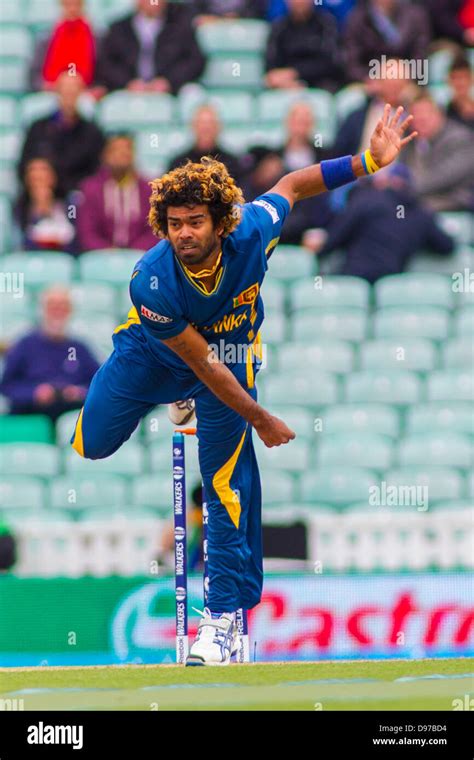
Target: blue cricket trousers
[{"x": 122, "y": 392}]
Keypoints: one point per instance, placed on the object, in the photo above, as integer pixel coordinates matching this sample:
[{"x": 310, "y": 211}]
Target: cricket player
[{"x": 195, "y": 293}]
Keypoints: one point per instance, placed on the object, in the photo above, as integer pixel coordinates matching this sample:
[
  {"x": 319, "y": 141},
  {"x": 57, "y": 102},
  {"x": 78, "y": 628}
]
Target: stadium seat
[
  {"x": 445, "y": 449},
  {"x": 41, "y": 14},
  {"x": 129, "y": 459},
  {"x": 156, "y": 425},
  {"x": 461, "y": 259},
  {"x": 65, "y": 425},
  {"x": 233, "y": 107},
  {"x": 130, "y": 110},
  {"x": 458, "y": 352},
  {"x": 113, "y": 266},
  {"x": 17, "y": 302},
  {"x": 155, "y": 150},
  {"x": 21, "y": 492},
  {"x": 9, "y": 111},
  {"x": 459, "y": 224},
  {"x": 308, "y": 388},
  {"x": 290, "y": 262},
  {"x": 37, "y": 105},
  {"x": 153, "y": 492},
  {"x": 407, "y": 354},
  {"x": 329, "y": 292},
  {"x": 451, "y": 386},
  {"x": 274, "y": 105},
  {"x": 412, "y": 289},
  {"x": 13, "y": 328},
  {"x": 423, "y": 322},
  {"x": 274, "y": 328},
  {"x": 15, "y": 40},
  {"x": 29, "y": 459},
  {"x": 453, "y": 506},
  {"x": 463, "y": 322},
  {"x": 328, "y": 356},
  {"x": 13, "y": 12},
  {"x": 277, "y": 487},
  {"x": 361, "y": 418},
  {"x": 361, "y": 449},
  {"x": 78, "y": 492},
  {"x": 383, "y": 387},
  {"x": 470, "y": 485},
  {"x": 292, "y": 458},
  {"x": 439, "y": 63},
  {"x": 5, "y": 226},
  {"x": 349, "y": 99},
  {"x": 41, "y": 269},
  {"x": 97, "y": 298},
  {"x": 10, "y": 145},
  {"x": 226, "y": 72},
  {"x": 441, "y": 482},
  {"x": 299, "y": 419},
  {"x": 95, "y": 330},
  {"x": 340, "y": 324},
  {"x": 33, "y": 428},
  {"x": 13, "y": 76},
  {"x": 456, "y": 417},
  {"x": 9, "y": 186},
  {"x": 239, "y": 36},
  {"x": 340, "y": 486},
  {"x": 273, "y": 293}
]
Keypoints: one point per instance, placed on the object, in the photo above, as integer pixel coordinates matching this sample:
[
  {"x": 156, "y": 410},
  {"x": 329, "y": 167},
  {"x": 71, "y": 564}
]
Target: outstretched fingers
[
  {"x": 408, "y": 139},
  {"x": 396, "y": 117}
]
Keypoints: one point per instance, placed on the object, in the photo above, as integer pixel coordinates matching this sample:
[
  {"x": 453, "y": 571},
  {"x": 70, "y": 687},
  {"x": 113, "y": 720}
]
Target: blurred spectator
[
  {"x": 299, "y": 149},
  {"x": 441, "y": 158},
  {"x": 391, "y": 87},
  {"x": 303, "y": 49},
  {"x": 70, "y": 47},
  {"x": 41, "y": 210},
  {"x": 47, "y": 371},
  {"x": 206, "y": 129},
  {"x": 208, "y": 11},
  {"x": 461, "y": 105},
  {"x": 264, "y": 168},
  {"x": 382, "y": 227},
  {"x": 453, "y": 20},
  {"x": 390, "y": 28},
  {"x": 72, "y": 143},
  {"x": 151, "y": 50},
  {"x": 8, "y": 548},
  {"x": 114, "y": 203}
]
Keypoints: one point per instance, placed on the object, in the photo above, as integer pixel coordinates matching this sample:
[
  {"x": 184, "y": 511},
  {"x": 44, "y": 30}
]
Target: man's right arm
[{"x": 193, "y": 349}]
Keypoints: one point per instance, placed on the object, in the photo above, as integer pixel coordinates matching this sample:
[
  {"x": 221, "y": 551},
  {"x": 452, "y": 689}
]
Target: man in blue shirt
[{"x": 193, "y": 331}]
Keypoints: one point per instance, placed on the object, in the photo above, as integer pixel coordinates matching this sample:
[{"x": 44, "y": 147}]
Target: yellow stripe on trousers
[
  {"x": 78, "y": 443},
  {"x": 221, "y": 483}
]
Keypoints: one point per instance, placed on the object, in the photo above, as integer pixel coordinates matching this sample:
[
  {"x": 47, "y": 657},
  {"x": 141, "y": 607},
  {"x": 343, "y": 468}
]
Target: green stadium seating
[
  {"x": 10, "y": 145},
  {"x": 456, "y": 417},
  {"x": 77, "y": 492},
  {"x": 273, "y": 293},
  {"x": 233, "y": 107},
  {"x": 439, "y": 63},
  {"x": 412, "y": 289},
  {"x": 349, "y": 99},
  {"x": 5, "y": 226},
  {"x": 155, "y": 149},
  {"x": 471, "y": 485},
  {"x": 37, "y": 105},
  {"x": 361, "y": 418},
  {"x": 112, "y": 266},
  {"x": 13, "y": 76},
  {"x": 328, "y": 356},
  {"x": 463, "y": 323},
  {"x": 96, "y": 330},
  {"x": 361, "y": 449},
  {"x": 453, "y": 506},
  {"x": 407, "y": 354},
  {"x": 41, "y": 14},
  {"x": 9, "y": 111},
  {"x": 95, "y": 297},
  {"x": 41, "y": 269},
  {"x": 29, "y": 459},
  {"x": 399, "y": 322},
  {"x": 20, "y": 517},
  {"x": 444, "y": 448},
  {"x": 32, "y": 428},
  {"x": 294, "y": 457},
  {"x": 15, "y": 41},
  {"x": 9, "y": 186},
  {"x": 17, "y": 303},
  {"x": 329, "y": 292},
  {"x": 157, "y": 425},
  {"x": 383, "y": 387},
  {"x": 154, "y": 492},
  {"x": 13, "y": 328},
  {"x": 21, "y": 492},
  {"x": 337, "y": 485},
  {"x": 130, "y": 459},
  {"x": 12, "y": 12},
  {"x": 451, "y": 386},
  {"x": 459, "y": 224},
  {"x": 274, "y": 328},
  {"x": 274, "y": 105},
  {"x": 461, "y": 259},
  {"x": 239, "y": 36},
  {"x": 65, "y": 425},
  {"x": 240, "y": 72},
  {"x": 291, "y": 262},
  {"x": 277, "y": 487},
  {"x": 309, "y": 388},
  {"x": 458, "y": 352},
  {"x": 442, "y": 482},
  {"x": 299, "y": 419},
  {"x": 129, "y": 110},
  {"x": 339, "y": 324}
]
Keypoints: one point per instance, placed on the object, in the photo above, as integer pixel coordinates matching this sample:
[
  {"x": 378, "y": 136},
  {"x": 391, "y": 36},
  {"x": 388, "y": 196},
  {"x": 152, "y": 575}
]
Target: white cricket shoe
[
  {"x": 216, "y": 640},
  {"x": 182, "y": 412}
]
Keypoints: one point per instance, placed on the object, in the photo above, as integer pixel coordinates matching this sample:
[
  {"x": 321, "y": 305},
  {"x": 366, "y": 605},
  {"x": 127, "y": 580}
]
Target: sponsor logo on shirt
[
  {"x": 247, "y": 296},
  {"x": 153, "y": 316},
  {"x": 268, "y": 207}
]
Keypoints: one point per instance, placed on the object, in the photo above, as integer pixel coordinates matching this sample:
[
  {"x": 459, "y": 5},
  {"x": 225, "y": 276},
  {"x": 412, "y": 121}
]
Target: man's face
[
  {"x": 118, "y": 154},
  {"x": 300, "y": 8},
  {"x": 460, "y": 81},
  {"x": 427, "y": 119},
  {"x": 191, "y": 233},
  {"x": 151, "y": 8},
  {"x": 206, "y": 128},
  {"x": 300, "y": 121},
  {"x": 72, "y": 9},
  {"x": 68, "y": 88}
]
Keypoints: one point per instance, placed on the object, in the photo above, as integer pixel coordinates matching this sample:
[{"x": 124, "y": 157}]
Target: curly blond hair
[{"x": 207, "y": 181}]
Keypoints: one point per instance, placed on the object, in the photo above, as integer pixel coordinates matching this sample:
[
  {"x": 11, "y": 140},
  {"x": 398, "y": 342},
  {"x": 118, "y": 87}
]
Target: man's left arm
[{"x": 385, "y": 144}]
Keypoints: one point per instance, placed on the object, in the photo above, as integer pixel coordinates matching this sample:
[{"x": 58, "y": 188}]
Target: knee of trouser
[{"x": 95, "y": 449}]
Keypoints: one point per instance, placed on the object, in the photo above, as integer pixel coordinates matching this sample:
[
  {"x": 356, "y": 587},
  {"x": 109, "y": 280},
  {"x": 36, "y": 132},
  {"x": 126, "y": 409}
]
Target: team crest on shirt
[
  {"x": 247, "y": 296},
  {"x": 153, "y": 316}
]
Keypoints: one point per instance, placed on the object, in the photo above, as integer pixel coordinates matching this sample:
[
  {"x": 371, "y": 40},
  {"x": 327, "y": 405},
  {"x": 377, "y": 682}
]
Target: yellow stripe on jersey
[{"x": 271, "y": 246}]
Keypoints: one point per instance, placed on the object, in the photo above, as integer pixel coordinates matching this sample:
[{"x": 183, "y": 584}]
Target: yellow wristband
[{"x": 369, "y": 163}]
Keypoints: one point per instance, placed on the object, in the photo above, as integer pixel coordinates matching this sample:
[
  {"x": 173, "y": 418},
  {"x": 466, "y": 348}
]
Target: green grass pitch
[{"x": 355, "y": 685}]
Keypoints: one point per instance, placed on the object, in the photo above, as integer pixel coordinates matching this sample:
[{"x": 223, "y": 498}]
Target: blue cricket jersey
[{"x": 165, "y": 299}]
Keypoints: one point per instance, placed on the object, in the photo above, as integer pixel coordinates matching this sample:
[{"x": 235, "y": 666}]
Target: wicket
[{"x": 180, "y": 548}]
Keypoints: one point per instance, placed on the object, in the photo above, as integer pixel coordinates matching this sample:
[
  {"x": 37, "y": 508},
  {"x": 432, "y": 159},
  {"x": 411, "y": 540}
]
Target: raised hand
[{"x": 387, "y": 138}]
